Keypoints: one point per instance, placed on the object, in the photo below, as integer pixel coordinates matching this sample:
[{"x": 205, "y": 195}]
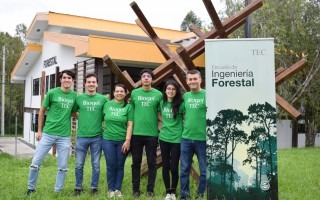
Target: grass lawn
[{"x": 299, "y": 178}]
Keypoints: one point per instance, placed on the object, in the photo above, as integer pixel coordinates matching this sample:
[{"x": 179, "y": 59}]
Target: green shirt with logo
[
  {"x": 195, "y": 116},
  {"x": 172, "y": 128},
  {"x": 116, "y": 117},
  {"x": 145, "y": 105},
  {"x": 90, "y": 108},
  {"x": 59, "y": 105}
]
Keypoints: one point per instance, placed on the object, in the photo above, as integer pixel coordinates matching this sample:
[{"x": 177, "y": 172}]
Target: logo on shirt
[
  {"x": 168, "y": 113},
  {"x": 146, "y": 101},
  {"x": 65, "y": 103},
  {"x": 195, "y": 103},
  {"x": 91, "y": 105},
  {"x": 116, "y": 111}
]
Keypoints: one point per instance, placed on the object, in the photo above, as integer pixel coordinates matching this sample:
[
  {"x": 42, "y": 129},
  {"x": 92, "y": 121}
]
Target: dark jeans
[
  {"x": 170, "y": 153},
  {"x": 188, "y": 149},
  {"x": 137, "y": 144}
]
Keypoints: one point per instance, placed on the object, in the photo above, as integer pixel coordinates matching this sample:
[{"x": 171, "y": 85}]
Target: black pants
[
  {"x": 170, "y": 153},
  {"x": 150, "y": 144}
]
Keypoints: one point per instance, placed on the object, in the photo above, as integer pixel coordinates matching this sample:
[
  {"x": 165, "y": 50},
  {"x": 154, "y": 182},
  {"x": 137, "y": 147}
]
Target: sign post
[{"x": 241, "y": 119}]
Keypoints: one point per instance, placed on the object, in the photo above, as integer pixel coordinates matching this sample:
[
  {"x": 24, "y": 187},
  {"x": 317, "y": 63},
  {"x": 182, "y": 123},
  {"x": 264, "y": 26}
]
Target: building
[{"x": 56, "y": 42}]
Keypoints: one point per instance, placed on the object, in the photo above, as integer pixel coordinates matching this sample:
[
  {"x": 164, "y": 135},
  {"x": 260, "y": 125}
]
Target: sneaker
[
  {"x": 30, "y": 191},
  {"x": 168, "y": 197},
  {"x": 150, "y": 194},
  {"x": 77, "y": 192},
  {"x": 110, "y": 194},
  {"x": 136, "y": 194},
  {"x": 94, "y": 191},
  {"x": 173, "y": 197},
  {"x": 118, "y": 193}
]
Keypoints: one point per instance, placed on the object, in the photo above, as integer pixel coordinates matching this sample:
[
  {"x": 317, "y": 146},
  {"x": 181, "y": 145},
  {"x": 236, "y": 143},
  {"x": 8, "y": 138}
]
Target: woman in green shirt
[
  {"x": 170, "y": 135},
  {"x": 118, "y": 117}
]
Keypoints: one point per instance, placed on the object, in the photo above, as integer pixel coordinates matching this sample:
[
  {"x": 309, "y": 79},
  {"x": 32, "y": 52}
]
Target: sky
[{"x": 160, "y": 13}]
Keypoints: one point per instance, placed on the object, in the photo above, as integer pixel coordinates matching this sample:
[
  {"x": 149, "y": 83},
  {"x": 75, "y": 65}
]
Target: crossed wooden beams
[
  {"x": 281, "y": 76},
  {"x": 177, "y": 64}
]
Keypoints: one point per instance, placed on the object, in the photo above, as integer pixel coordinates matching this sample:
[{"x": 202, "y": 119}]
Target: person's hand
[
  {"x": 38, "y": 136},
  {"x": 126, "y": 146}
]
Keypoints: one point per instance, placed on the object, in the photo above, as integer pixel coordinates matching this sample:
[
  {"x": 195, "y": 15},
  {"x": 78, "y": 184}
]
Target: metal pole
[
  {"x": 247, "y": 25},
  {"x": 16, "y": 135},
  {"x": 3, "y": 88}
]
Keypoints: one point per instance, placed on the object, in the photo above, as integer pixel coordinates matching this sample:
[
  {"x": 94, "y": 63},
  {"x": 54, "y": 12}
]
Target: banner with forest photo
[{"x": 241, "y": 119}]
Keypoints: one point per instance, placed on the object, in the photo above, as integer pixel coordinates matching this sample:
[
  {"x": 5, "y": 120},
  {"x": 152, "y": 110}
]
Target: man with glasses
[
  {"x": 60, "y": 103},
  {"x": 145, "y": 101}
]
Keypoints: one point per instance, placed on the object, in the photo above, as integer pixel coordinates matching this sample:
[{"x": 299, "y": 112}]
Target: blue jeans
[
  {"x": 115, "y": 160},
  {"x": 82, "y": 146},
  {"x": 45, "y": 144},
  {"x": 188, "y": 149}
]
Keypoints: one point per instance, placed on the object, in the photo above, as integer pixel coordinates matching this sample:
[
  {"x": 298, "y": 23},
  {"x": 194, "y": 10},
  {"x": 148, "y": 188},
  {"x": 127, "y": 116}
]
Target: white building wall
[
  {"x": 65, "y": 60},
  {"x": 284, "y": 134}
]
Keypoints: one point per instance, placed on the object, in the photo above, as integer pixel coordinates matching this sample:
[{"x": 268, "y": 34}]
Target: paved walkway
[{"x": 8, "y": 145}]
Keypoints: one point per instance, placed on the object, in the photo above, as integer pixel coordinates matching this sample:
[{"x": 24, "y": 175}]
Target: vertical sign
[{"x": 241, "y": 119}]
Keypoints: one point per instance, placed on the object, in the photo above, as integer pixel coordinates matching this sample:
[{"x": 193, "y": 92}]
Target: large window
[
  {"x": 36, "y": 86},
  {"x": 50, "y": 82}
]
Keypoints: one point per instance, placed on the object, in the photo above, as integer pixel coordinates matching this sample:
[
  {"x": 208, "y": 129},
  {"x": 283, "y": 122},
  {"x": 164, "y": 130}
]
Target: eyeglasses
[
  {"x": 146, "y": 76},
  {"x": 171, "y": 89}
]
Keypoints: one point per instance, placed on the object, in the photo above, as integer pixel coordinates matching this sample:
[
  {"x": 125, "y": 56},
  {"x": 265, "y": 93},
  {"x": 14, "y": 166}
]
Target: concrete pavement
[{"x": 8, "y": 145}]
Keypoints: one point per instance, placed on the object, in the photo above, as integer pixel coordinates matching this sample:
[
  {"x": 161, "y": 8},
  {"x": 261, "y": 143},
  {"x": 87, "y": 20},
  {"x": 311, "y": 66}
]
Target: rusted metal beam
[
  {"x": 287, "y": 107},
  {"x": 280, "y": 70},
  {"x": 285, "y": 75}
]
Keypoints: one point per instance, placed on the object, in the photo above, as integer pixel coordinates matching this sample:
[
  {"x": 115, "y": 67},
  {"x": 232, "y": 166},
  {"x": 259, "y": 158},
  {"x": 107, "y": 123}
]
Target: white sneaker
[
  {"x": 110, "y": 194},
  {"x": 173, "y": 197},
  {"x": 168, "y": 197},
  {"x": 118, "y": 193}
]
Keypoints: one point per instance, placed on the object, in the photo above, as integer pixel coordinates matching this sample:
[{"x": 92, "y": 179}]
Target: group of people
[{"x": 177, "y": 122}]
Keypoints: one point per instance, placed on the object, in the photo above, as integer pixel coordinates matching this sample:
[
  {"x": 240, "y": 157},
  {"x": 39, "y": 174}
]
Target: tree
[
  {"x": 14, "y": 93},
  {"x": 21, "y": 31},
  {"x": 190, "y": 18},
  {"x": 295, "y": 27}
]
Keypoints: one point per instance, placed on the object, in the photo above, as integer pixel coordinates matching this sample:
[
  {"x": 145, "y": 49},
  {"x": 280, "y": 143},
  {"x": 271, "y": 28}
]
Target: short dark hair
[
  {"x": 194, "y": 71},
  {"x": 146, "y": 70},
  {"x": 68, "y": 72},
  {"x": 91, "y": 75}
]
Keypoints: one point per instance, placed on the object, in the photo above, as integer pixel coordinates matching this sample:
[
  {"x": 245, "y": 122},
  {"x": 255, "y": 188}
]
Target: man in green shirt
[
  {"x": 194, "y": 135},
  {"x": 145, "y": 102},
  {"x": 57, "y": 130},
  {"x": 89, "y": 133}
]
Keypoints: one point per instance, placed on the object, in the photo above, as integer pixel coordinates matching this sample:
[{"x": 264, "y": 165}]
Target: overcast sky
[{"x": 160, "y": 13}]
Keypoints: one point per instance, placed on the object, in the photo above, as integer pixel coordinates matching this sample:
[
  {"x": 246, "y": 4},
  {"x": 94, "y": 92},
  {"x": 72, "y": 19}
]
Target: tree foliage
[
  {"x": 14, "y": 93},
  {"x": 295, "y": 27},
  {"x": 190, "y": 18}
]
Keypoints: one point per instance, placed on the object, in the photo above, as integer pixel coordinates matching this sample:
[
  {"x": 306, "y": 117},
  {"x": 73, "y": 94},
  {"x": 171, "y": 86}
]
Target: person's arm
[
  {"x": 159, "y": 121},
  {"x": 40, "y": 123},
  {"x": 126, "y": 145}
]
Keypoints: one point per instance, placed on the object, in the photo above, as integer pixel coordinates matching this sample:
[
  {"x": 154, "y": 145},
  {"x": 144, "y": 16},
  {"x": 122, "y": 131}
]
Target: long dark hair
[
  {"x": 177, "y": 100},
  {"x": 125, "y": 102}
]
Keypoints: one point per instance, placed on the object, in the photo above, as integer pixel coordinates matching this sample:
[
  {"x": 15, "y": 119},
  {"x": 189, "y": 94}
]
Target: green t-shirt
[
  {"x": 172, "y": 128},
  {"x": 60, "y": 105},
  {"x": 116, "y": 118},
  {"x": 145, "y": 105},
  {"x": 195, "y": 116},
  {"x": 90, "y": 116}
]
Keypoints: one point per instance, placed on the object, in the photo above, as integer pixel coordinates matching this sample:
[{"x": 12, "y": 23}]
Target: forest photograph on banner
[{"x": 241, "y": 119}]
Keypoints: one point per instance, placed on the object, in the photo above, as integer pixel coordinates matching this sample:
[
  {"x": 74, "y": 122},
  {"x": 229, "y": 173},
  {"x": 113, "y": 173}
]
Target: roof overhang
[{"x": 26, "y": 62}]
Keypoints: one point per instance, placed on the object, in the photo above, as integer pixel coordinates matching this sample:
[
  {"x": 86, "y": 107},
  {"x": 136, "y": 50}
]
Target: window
[
  {"x": 34, "y": 122},
  {"x": 50, "y": 82},
  {"x": 36, "y": 86}
]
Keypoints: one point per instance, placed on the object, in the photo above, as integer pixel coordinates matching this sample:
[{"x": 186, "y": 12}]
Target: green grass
[{"x": 299, "y": 178}]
